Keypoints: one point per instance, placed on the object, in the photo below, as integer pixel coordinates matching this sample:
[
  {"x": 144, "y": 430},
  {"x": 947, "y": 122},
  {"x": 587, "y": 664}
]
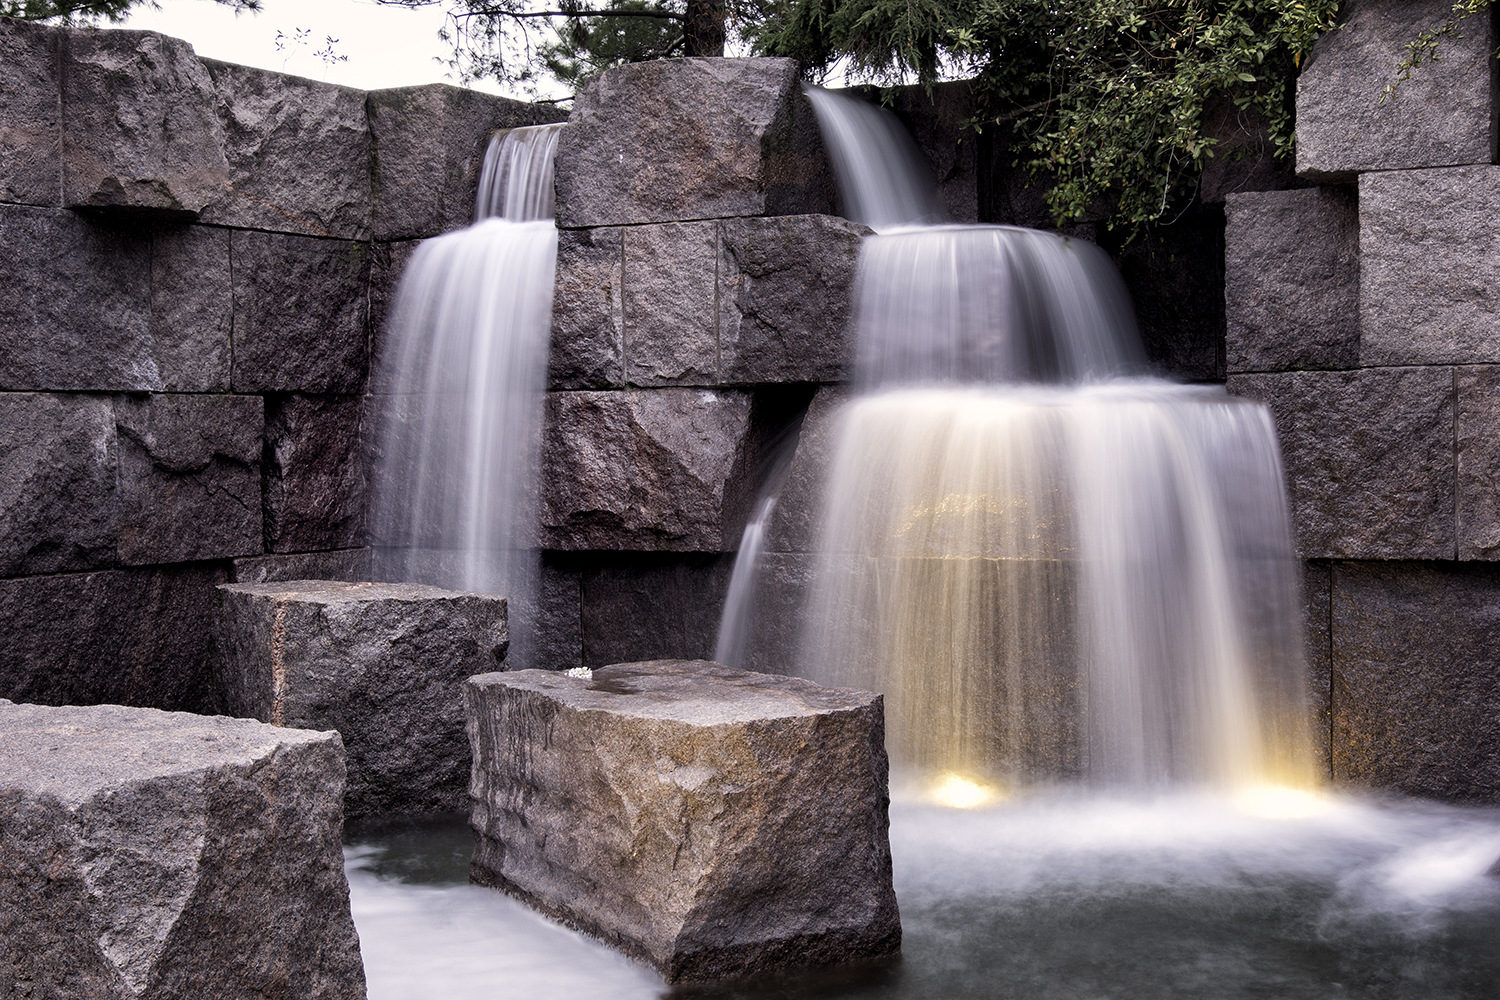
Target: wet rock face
[
  {"x": 639, "y": 146},
  {"x": 381, "y": 663},
  {"x": 710, "y": 821},
  {"x": 1441, "y": 117},
  {"x": 166, "y": 855}
]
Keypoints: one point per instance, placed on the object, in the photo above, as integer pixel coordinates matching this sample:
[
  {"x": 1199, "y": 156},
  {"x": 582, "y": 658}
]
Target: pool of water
[{"x": 1051, "y": 896}]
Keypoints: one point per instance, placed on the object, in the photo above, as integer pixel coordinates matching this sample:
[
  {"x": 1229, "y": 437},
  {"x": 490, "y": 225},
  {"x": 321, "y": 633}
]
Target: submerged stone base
[
  {"x": 382, "y": 663},
  {"x": 167, "y": 855},
  {"x": 712, "y": 822}
]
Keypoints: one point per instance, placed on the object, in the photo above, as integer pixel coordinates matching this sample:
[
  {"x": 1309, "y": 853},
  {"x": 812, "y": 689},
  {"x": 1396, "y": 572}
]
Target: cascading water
[
  {"x": 464, "y": 372},
  {"x": 1052, "y": 567}
]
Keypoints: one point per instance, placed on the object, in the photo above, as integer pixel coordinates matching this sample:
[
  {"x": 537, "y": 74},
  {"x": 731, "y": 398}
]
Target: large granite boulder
[
  {"x": 140, "y": 130},
  {"x": 1442, "y": 116},
  {"x": 148, "y": 854},
  {"x": 1291, "y": 280},
  {"x": 298, "y": 153},
  {"x": 683, "y": 139},
  {"x": 650, "y": 469},
  {"x": 1429, "y": 267},
  {"x": 428, "y": 144},
  {"x": 710, "y": 821},
  {"x": 382, "y": 663}
]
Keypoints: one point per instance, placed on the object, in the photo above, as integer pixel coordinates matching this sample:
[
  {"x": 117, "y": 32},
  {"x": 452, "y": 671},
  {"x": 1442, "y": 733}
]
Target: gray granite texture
[
  {"x": 799, "y": 508},
  {"x": 30, "y": 114},
  {"x": 166, "y": 855},
  {"x": 140, "y": 132},
  {"x": 1416, "y": 678},
  {"x": 1477, "y": 388},
  {"x": 1292, "y": 280},
  {"x": 1369, "y": 457},
  {"x": 588, "y": 310},
  {"x": 1443, "y": 116},
  {"x": 316, "y": 477},
  {"x": 140, "y": 637},
  {"x": 709, "y": 821},
  {"x": 298, "y": 153},
  {"x": 646, "y": 605},
  {"x": 647, "y": 469},
  {"x": 683, "y": 139},
  {"x": 1429, "y": 267},
  {"x": 380, "y": 663},
  {"x": 429, "y": 144}
]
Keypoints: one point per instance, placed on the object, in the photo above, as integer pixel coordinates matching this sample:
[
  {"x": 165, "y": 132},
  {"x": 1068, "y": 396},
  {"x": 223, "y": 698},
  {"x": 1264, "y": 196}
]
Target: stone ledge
[
  {"x": 381, "y": 663},
  {"x": 710, "y": 821},
  {"x": 173, "y": 856}
]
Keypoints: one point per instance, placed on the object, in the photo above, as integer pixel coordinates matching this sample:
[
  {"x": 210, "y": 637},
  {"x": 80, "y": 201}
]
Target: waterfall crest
[
  {"x": 1052, "y": 567},
  {"x": 461, "y": 384}
]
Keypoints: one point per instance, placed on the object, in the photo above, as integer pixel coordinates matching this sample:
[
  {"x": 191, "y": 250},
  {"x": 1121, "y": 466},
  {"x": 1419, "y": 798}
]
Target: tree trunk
[{"x": 704, "y": 28}]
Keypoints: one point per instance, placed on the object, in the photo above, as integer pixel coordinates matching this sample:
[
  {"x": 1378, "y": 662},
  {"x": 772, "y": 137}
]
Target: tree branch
[{"x": 661, "y": 15}]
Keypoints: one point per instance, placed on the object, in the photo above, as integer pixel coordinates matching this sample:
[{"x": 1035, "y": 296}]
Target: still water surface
[{"x": 1051, "y": 897}]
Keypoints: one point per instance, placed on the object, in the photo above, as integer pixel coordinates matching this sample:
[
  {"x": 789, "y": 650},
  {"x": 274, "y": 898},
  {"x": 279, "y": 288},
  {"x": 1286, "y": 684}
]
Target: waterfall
[
  {"x": 1053, "y": 567},
  {"x": 461, "y": 383}
]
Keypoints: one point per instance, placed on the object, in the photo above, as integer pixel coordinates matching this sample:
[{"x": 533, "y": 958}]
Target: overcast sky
[{"x": 385, "y": 46}]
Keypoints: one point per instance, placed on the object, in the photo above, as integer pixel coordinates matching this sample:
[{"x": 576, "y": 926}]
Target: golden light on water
[
  {"x": 1282, "y": 802},
  {"x": 957, "y": 792}
]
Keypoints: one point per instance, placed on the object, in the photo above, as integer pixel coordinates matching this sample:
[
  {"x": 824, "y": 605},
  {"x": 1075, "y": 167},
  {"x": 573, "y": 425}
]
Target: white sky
[{"x": 385, "y": 46}]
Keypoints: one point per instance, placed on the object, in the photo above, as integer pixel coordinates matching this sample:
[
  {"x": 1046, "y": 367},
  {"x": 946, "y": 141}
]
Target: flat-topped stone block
[
  {"x": 1429, "y": 288},
  {"x": 140, "y": 132},
  {"x": 382, "y": 663},
  {"x": 682, "y": 139},
  {"x": 1291, "y": 280},
  {"x": 710, "y": 821},
  {"x": 1443, "y": 116},
  {"x": 298, "y": 152},
  {"x": 167, "y": 855}
]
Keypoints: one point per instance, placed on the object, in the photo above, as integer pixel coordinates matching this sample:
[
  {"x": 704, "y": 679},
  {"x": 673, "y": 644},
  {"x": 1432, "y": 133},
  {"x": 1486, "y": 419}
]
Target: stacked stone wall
[
  {"x": 196, "y": 258},
  {"x": 1365, "y": 311}
]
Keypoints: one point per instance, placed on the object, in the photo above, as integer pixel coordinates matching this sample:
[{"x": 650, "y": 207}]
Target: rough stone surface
[
  {"x": 75, "y": 306},
  {"x": 1369, "y": 459},
  {"x": 127, "y": 637},
  {"x": 30, "y": 114},
  {"x": 189, "y": 477},
  {"x": 1292, "y": 280},
  {"x": 653, "y": 469},
  {"x": 140, "y": 131},
  {"x": 671, "y": 330},
  {"x": 710, "y": 821},
  {"x": 651, "y": 606},
  {"x": 1244, "y": 158},
  {"x": 429, "y": 145},
  {"x": 299, "y": 314},
  {"x": 798, "y": 509},
  {"x": 1416, "y": 695},
  {"x": 588, "y": 311},
  {"x": 192, "y": 308},
  {"x": 58, "y": 483},
  {"x": 786, "y": 288},
  {"x": 1443, "y": 115},
  {"x": 381, "y": 663},
  {"x": 349, "y": 565},
  {"x": 316, "y": 481},
  {"x": 557, "y": 642},
  {"x": 387, "y": 264},
  {"x": 1429, "y": 267},
  {"x": 779, "y": 616},
  {"x": 298, "y": 153},
  {"x": 1478, "y": 391},
  {"x": 1317, "y": 616},
  {"x": 149, "y": 854},
  {"x": 682, "y": 139}
]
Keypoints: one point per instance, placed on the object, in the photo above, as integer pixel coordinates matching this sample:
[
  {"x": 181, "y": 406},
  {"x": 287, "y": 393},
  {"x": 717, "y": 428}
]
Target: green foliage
[
  {"x": 586, "y": 46},
  {"x": 1424, "y": 48},
  {"x": 89, "y": 11},
  {"x": 1106, "y": 97}
]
